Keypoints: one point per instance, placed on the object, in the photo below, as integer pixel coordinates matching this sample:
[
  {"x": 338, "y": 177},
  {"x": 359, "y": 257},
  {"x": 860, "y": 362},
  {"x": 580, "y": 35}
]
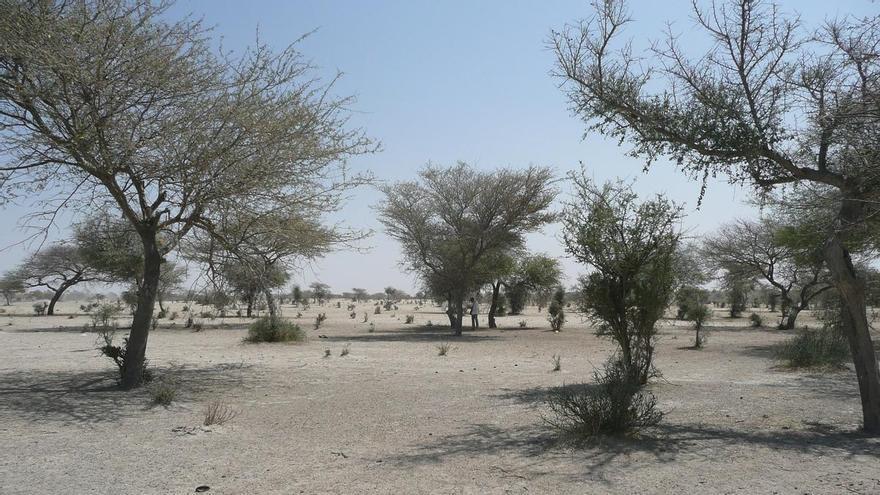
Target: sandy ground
[{"x": 394, "y": 417}]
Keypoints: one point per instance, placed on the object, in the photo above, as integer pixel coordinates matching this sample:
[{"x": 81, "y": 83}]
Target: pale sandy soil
[{"x": 394, "y": 417}]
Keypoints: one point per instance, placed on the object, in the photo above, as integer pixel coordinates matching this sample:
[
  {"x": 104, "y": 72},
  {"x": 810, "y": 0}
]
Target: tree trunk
[
  {"x": 270, "y": 303},
  {"x": 250, "y": 305},
  {"x": 161, "y": 306},
  {"x": 459, "y": 305},
  {"x": 789, "y": 320},
  {"x": 450, "y": 312},
  {"x": 50, "y": 311},
  {"x": 496, "y": 288},
  {"x": 136, "y": 350},
  {"x": 855, "y": 327},
  {"x": 8, "y": 298}
]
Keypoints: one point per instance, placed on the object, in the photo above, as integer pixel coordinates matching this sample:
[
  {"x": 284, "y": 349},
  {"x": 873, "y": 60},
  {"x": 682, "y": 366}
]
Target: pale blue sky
[{"x": 443, "y": 81}]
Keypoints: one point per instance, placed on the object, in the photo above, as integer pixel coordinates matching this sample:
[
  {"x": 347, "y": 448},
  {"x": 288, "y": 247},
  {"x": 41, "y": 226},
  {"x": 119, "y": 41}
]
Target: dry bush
[
  {"x": 443, "y": 348},
  {"x": 218, "y": 413},
  {"x": 614, "y": 405},
  {"x": 163, "y": 392}
]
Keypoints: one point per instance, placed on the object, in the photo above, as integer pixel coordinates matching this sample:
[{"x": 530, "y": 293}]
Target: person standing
[{"x": 475, "y": 311}]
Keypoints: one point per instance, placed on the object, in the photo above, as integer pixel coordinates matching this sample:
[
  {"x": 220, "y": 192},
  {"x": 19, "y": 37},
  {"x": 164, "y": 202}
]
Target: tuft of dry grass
[
  {"x": 218, "y": 413},
  {"x": 443, "y": 348}
]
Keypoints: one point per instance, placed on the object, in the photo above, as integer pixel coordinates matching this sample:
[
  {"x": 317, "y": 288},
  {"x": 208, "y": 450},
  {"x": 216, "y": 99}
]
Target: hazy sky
[{"x": 443, "y": 81}]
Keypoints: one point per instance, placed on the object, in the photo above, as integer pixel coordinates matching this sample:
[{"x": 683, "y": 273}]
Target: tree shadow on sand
[
  {"x": 89, "y": 397},
  {"x": 413, "y": 334},
  {"x": 533, "y": 449}
]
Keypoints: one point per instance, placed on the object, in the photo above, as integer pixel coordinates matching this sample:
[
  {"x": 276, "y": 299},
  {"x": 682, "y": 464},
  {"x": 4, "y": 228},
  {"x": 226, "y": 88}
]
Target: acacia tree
[
  {"x": 11, "y": 283},
  {"x": 520, "y": 274},
  {"x": 746, "y": 249},
  {"x": 631, "y": 246},
  {"x": 451, "y": 220},
  {"x": 58, "y": 268},
  {"x": 359, "y": 294},
  {"x": 769, "y": 103},
  {"x": 116, "y": 106},
  {"x": 320, "y": 291}
]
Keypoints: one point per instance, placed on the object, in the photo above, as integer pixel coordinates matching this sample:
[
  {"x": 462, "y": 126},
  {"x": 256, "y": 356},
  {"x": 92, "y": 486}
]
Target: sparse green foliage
[
  {"x": 327, "y": 353},
  {"x": 410, "y": 319},
  {"x": 346, "y": 350},
  {"x": 557, "y": 362},
  {"x": 631, "y": 245}
]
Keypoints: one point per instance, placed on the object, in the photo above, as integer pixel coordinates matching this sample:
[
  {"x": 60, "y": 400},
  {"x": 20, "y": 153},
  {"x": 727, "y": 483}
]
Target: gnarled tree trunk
[
  {"x": 496, "y": 288},
  {"x": 270, "y": 303},
  {"x": 854, "y": 319},
  {"x": 459, "y": 307},
  {"x": 50, "y": 311},
  {"x": 136, "y": 349}
]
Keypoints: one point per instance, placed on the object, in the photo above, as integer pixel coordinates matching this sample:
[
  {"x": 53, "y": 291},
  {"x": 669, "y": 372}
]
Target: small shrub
[
  {"x": 613, "y": 405},
  {"x": 352, "y": 315},
  {"x": 443, "y": 348},
  {"x": 189, "y": 322},
  {"x": 154, "y": 323},
  {"x": 218, "y": 413},
  {"x": 103, "y": 315},
  {"x": 319, "y": 320},
  {"x": 197, "y": 326},
  {"x": 557, "y": 362},
  {"x": 299, "y": 315},
  {"x": 372, "y": 327},
  {"x": 556, "y": 313},
  {"x": 173, "y": 316},
  {"x": 523, "y": 323},
  {"x": 207, "y": 315},
  {"x": 366, "y": 317},
  {"x": 326, "y": 353},
  {"x": 819, "y": 348},
  {"x": 345, "y": 351},
  {"x": 163, "y": 392},
  {"x": 698, "y": 313},
  {"x": 274, "y": 329},
  {"x": 429, "y": 324},
  {"x": 410, "y": 319},
  {"x": 40, "y": 308},
  {"x": 756, "y": 320},
  {"x": 377, "y": 310}
]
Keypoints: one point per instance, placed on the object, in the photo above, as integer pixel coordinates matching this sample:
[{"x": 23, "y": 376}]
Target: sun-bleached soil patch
[{"x": 394, "y": 417}]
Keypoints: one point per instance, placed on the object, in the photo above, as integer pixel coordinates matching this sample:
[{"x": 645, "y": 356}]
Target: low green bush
[
  {"x": 274, "y": 329},
  {"x": 819, "y": 348}
]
